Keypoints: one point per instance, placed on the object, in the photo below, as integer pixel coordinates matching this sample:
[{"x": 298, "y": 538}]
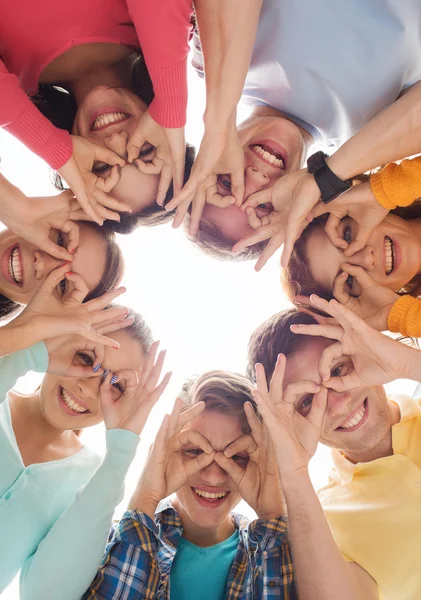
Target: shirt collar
[{"x": 167, "y": 516}]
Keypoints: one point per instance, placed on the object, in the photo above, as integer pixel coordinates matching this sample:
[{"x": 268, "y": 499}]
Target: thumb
[
  {"x": 359, "y": 242},
  {"x": 55, "y": 250},
  {"x": 230, "y": 466},
  {"x": 108, "y": 156},
  {"x": 237, "y": 186},
  {"x": 134, "y": 145}
]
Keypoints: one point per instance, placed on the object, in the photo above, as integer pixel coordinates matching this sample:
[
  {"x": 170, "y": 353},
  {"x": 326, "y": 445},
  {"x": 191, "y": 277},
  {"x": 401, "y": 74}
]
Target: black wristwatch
[{"x": 329, "y": 184}]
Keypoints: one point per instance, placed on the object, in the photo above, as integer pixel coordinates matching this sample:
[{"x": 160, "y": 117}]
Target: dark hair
[
  {"x": 210, "y": 240},
  {"x": 297, "y": 277},
  {"x": 59, "y": 106},
  {"x": 222, "y": 391},
  {"x": 110, "y": 279},
  {"x": 274, "y": 337}
]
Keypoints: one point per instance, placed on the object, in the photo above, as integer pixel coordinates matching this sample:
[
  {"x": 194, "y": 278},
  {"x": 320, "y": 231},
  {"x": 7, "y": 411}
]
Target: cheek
[{"x": 231, "y": 222}]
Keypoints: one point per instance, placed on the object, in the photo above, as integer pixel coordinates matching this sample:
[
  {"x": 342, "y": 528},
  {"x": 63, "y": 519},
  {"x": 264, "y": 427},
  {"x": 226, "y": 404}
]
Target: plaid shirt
[{"x": 138, "y": 559}]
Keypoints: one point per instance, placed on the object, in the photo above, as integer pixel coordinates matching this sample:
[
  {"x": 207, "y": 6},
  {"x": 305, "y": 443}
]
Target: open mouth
[
  {"x": 111, "y": 118},
  {"x": 389, "y": 255},
  {"x": 269, "y": 154},
  {"x": 71, "y": 406},
  {"x": 356, "y": 419},
  {"x": 15, "y": 265},
  {"x": 210, "y": 499}
]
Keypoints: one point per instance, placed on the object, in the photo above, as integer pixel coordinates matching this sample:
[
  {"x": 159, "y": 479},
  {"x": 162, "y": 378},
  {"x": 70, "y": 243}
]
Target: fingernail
[
  {"x": 105, "y": 373},
  {"x": 116, "y": 347},
  {"x": 118, "y": 168},
  {"x": 227, "y": 453},
  {"x": 113, "y": 379},
  {"x": 96, "y": 368},
  {"x": 70, "y": 273},
  {"x": 72, "y": 251}
]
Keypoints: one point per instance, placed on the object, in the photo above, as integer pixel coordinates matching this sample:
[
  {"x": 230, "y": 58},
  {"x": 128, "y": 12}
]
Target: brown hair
[
  {"x": 222, "y": 391},
  {"x": 297, "y": 278},
  {"x": 212, "y": 242},
  {"x": 114, "y": 267},
  {"x": 274, "y": 337}
]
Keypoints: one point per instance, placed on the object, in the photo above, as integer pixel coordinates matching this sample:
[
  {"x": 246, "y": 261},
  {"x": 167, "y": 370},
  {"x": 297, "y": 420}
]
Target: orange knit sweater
[{"x": 400, "y": 185}]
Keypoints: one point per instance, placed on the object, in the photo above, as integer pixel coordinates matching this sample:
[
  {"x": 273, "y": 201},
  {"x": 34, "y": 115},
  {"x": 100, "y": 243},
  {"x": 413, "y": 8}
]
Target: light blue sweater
[{"x": 52, "y": 527}]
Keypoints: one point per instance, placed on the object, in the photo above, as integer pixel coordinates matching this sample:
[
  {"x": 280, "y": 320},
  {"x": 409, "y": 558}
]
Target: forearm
[
  {"x": 17, "y": 364},
  {"x": 143, "y": 503},
  {"x": 227, "y": 33},
  {"x": 322, "y": 573},
  {"x": 393, "y": 134}
]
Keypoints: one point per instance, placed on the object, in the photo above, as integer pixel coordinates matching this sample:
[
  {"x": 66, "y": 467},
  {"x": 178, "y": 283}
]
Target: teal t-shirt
[{"x": 202, "y": 572}]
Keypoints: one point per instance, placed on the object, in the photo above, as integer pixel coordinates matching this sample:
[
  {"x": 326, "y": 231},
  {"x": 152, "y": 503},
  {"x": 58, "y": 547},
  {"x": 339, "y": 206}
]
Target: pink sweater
[{"x": 33, "y": 34}]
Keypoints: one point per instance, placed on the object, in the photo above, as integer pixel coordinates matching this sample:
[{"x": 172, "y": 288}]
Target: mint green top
[
  {"x": 55, "y": 517},
  {"x": 202, "y": 572}
]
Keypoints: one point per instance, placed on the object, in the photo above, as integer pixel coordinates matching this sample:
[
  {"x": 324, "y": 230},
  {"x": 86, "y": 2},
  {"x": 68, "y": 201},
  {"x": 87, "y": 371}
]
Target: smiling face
[
  {"x": 357, "y": 421},
  {"x": 207, "y": 499},
  {"x": 392, "y": 255},
  {"x": 273, "y": 146},
  {"x": 108, "y": 117},
  {"x": 23, "y": 267},
  {"x": 71, "y": 403}
]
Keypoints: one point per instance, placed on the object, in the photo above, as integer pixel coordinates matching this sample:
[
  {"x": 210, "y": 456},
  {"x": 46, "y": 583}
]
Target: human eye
[
  {"x": 304, "y": 405},
  {"x": 60, "y": 239},
  {"x": 62, "y": 287},
  {"x": 100, "y": 167},
  {"x": 349, "y": 281},
  {"x": 118, "y": 387},
  {"x": 341, "y": 369},
  {"x": 85, "y": 358},
  {"x": 146, "y": 150},
  {"x": 224, "y": 185},
  {"x": 193, "y": 452},
  {"x": 347, "y": 234},
  {"x": 241, "y": 460}
]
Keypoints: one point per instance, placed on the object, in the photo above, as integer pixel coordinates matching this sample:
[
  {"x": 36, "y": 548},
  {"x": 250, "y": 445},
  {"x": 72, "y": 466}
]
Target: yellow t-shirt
[{"x": 374, "y": 509}]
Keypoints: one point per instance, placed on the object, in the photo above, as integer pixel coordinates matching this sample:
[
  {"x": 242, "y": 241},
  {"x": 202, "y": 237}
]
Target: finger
[
  {"x": 321, "y": 304},
  {"x": 360, "y": 241},
  {"x": 164, "y": 184},
  {"x": 104, "y": 300},
  {"x": 79, "y": 371},
  {"x": 327, "y": 358},
  {"x": 134, "y": 145},
  {"x": 319, "y": 209},
  {"x": 261, "y": 234},
  {"x": 318, "y": 318},
  {"x": 106, "y": 155},
  {"x": 180, "y": 214},
  {"x": 155, "y": 373},
  {"x": 116, "y": 325},
  {"x": 149, "y": 363},
  {"x": 261, "y": 382},
  {"x": 339, "y": 291},
  {"x": 274, "y": 244},
  {"x": 191, "y": 436},
  {"x": 175, "y": 417},
  {"x": 72, "y": 230},
  {"x": 252, "y": 218},
  {"x": 106, "y": 184},
  {"x": 188, "y": 191},
  {"x": 197, "y": 211},
  {"x": 343, "y": 383},
  {"x": 332, "y": 332},
  {"x": 245, "y": 443},
  {"x": 332, "y": 232},
  {"x": 277, "y": 380},
  {"x": 55, "y": 250},
  {"x": 107, "y": 202},
  {"x": 318, "y": 408},
  {"x": 78, "y": 214},
  {"x": 160, "y": 389},
  {"x": 150, "y": 168},
  {"x": 230, "y": 466},
  {"x": 253, "y": 421},
  {"x": 292, "y": 233},
  {"x": 261, "y": 197},
  {"x": 177, "y": 172},
  {"x": 197, "y": 464},
  {"x": 237, "y": 186},
  {"x": 294, "y": 390},
  {"x": 129, "y": 376},
  {"x": 361, "y": 275},
  {"x": 80, "y": 290},
  {"x": 99, "y": 351},
  {"x": 105, "y": 317},
  {"x": 189, "y": 415}
]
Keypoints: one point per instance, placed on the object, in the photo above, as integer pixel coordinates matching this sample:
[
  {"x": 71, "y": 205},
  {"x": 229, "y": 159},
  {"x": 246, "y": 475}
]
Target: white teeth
[
  {"x": 210, "y": 494},
  {"x": 108, "y": 118},
  {"x": 389, "y": 255},
  {"x": 71, "y": 403},
  {"x": 274, "y": 160},
  {"x": 15, "y": 265},
  {"x": 355, "y": 420}
]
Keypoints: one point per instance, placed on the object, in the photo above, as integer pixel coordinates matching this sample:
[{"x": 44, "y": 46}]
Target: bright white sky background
[{"x": 202, "y": 310}]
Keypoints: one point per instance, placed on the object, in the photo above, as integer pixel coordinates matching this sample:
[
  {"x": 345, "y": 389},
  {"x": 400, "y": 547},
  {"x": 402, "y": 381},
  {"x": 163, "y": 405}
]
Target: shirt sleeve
[
  {"x": 23, "y": 120},
  {"x": 405, "y": 316},
  {"x": 129, "y": 568},
  {"x": 398, "y": 184},
  {"x": 163, "y": 28},
  {"x": 70, "y": 554},
  {"x": 270, "y": 548},
  {"x": 17, "y": 364}
]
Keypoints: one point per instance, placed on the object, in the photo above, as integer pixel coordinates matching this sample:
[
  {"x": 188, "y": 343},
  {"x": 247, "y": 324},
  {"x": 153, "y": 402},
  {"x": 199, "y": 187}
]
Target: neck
[
  {"x": 26, "y": 410},
  {"x": 269, "y": 111},
  {"x": 384, "y": 447},
  {"x": 203, "y": 536},
  {"x": 118, "y": 74}
]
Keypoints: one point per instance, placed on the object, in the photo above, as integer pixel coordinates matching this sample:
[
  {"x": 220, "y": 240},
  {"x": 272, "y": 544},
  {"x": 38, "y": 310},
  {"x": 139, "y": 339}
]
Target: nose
[
  {"x": 255, "y": 180},
  {"x": 364, "y": 258},
  {"x": 213, "y": 475},
  {"x": 117, "y": 142},
  {"x": 45, "y": 263},
  {"x": 88, "y": 388},
  {"x": 338, "y": 403}
]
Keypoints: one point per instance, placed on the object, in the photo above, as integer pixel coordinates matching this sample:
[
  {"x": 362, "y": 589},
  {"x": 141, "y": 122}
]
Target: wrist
[
  {"x": 217, "y": 121},
  {"x": 293, "y": 481}
]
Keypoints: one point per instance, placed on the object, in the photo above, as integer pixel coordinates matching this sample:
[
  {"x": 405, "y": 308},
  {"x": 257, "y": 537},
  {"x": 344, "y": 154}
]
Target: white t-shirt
[{"x": 332, "y": 65}]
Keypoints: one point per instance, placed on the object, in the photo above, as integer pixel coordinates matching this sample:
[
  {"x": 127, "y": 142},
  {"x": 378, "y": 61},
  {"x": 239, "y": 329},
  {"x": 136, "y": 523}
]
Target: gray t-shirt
[{"x": 332, "y": 65}]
